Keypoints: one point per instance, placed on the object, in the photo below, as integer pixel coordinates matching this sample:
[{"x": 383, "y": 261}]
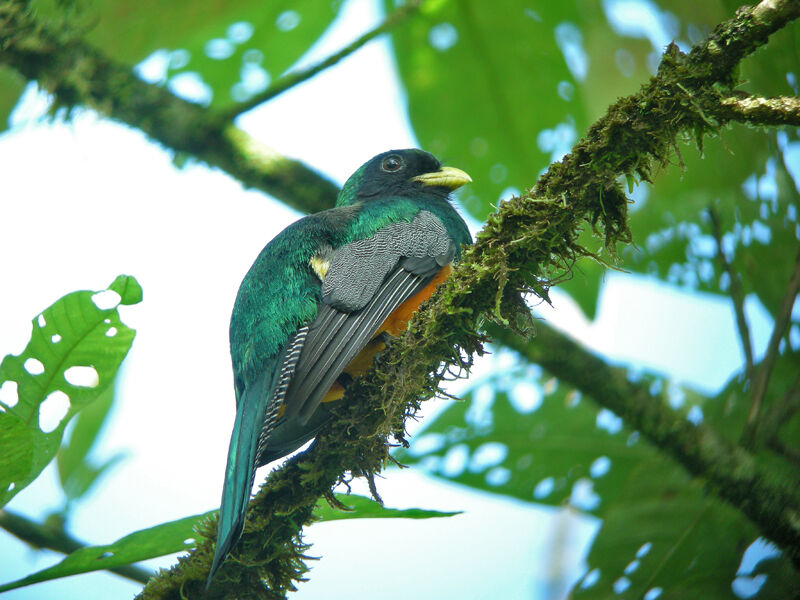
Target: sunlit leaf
[{"x": 76, "y": 347}]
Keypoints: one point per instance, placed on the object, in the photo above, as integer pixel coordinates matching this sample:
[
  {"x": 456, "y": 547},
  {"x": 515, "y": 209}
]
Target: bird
[{"x": 321, "y": 300}]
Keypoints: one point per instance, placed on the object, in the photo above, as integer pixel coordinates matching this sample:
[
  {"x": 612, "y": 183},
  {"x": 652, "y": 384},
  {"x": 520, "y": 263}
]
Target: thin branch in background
[
  {"x": 41, "y": 536},
  {"x": 292, "y": 79},
  {"x": 762, "y": 378},
  {"x": 791, "y": 454},
  {"x": 778, "y": 413},
  {"x": 756, "y": 110},
  {"x": 737, "y": 295}
]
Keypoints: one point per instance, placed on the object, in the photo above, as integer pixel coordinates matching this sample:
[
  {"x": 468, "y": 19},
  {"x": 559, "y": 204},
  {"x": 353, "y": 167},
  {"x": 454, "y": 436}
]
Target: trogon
[{"x": 318, "y": 303}]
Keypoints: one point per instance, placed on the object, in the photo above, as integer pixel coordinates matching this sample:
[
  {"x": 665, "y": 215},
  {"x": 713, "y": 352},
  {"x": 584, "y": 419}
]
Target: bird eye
[{"x": 391, "y": 164}]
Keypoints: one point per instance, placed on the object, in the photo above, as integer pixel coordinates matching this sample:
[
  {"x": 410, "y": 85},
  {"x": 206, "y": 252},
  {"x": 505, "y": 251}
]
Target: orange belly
[{"x": 394, "y": 325}]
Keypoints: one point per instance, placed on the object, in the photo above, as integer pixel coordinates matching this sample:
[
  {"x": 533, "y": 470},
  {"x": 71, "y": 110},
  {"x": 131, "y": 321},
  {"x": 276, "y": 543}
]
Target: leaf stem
[{"x": 765, "y": 369}]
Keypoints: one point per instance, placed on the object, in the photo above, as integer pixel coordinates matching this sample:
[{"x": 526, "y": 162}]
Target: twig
[
  {"x": 292, "y": 79},
  {"x": 737, "y": 295},
  {"x": 746, "y": 108},
  {"x": 765, "y": 369},
  {"x": 40, "y": 536}
]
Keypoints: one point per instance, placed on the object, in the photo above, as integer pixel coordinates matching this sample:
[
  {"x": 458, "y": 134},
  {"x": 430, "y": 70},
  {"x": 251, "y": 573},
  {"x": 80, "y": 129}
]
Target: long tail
[{"x": 239, "y": 472}]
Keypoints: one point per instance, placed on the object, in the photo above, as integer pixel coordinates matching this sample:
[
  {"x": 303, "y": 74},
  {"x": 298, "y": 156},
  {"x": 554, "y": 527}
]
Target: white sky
[{"x": 85, "y": 201}]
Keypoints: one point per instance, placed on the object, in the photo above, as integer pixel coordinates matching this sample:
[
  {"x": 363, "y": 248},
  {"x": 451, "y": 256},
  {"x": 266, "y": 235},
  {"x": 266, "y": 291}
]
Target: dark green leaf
[
  {"x": 76, "y": 347},
  {"x": 540, "y": 456}
]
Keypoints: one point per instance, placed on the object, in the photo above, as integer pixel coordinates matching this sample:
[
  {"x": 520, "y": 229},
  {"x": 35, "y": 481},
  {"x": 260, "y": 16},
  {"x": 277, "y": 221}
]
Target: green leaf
[
  {"x": 660, "y": 527},
  {"x": 75, "y": 471},
  {"x": 249, "y": 40},
  {"x": 129, "y": 290},
  {"x": 367, "y": 508},
  {"x": 536, "y": 456},
  {"x": 177, "y": 536},
  {"x": 11, "y": 86},
  {"x": 76, "y": 347},
  {"x": 483, "y": 83},
  {"x": 665, "y": 533},
  {"x": 166, "y": 538}
]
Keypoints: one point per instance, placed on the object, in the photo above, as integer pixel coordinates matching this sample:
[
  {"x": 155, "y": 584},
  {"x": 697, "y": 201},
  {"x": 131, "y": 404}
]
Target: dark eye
[{"x": 391, "y": 164}]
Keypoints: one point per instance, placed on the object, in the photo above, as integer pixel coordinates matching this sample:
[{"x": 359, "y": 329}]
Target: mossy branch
[
  {"x": 526, "y": 246},
  {"x": 755, "y": 110}
]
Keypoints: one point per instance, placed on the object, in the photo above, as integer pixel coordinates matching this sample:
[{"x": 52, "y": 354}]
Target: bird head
[{"x": 401, "y": 173}]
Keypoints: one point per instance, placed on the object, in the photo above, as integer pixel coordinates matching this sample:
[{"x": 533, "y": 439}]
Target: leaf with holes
[
  {"x": 76, "y": 347},
  {"x": 179, "y": 535}
]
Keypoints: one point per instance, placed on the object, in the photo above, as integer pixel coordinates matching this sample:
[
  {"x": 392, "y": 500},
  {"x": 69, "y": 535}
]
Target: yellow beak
[{"x": 448, "y": 177}]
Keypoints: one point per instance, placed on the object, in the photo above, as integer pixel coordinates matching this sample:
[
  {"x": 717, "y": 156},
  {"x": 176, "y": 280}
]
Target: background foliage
[{"x": 502, "y": 92}]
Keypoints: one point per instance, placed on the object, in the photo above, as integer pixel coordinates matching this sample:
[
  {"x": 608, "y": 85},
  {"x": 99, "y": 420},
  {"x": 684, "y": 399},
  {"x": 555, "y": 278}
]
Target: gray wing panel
[
  {"x": 334, "y": 344},
  {"x": 358, "y": 269},
  {"x": 365, "y": 282}
]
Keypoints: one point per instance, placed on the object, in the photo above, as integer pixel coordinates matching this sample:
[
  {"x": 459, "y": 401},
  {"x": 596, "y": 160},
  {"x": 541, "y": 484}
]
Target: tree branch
[
  {"x": 77, "y": 74},
  {"x": 737, "y": 296},
  {"x": 765, "y": 369},
  {"x": 40, "y": 536},
  {"x": 292, "y": 79},
  {"x": 755, "y": 110}
]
